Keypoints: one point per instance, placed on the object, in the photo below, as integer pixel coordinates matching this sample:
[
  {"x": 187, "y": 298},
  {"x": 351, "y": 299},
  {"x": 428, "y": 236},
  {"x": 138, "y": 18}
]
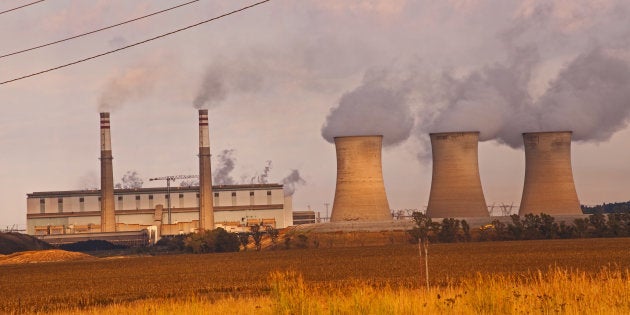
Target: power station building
[{"x": 235, "y": 206}]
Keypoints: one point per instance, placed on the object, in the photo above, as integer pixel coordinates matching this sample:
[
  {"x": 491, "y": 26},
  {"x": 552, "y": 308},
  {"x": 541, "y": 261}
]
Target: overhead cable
[
  {"x": 22, "y": 6},
  {"x": 98, "y": 30},
  {"x": 135, "y": 44}
]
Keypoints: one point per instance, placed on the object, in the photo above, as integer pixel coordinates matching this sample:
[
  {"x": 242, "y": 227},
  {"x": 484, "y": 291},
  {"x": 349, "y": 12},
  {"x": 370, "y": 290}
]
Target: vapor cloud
[
  {"x": 223, "y": 77},
  {"x": 133, "y": 83},
  {"x": 291, "y": 182},
  {"x": 379, "y": 106},
  {"x": 225, "y": 165},
  {"x": 130, "y": 180}
]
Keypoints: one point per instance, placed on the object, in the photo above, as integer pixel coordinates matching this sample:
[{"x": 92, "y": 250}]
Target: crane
[{"x": 168, "y": 180}]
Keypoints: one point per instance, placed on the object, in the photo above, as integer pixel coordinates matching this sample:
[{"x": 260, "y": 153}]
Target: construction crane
[{"x": 168, "y": 180}]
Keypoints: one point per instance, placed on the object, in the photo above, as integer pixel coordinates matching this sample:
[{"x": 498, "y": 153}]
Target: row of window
[{"x": 42, "y": 201}]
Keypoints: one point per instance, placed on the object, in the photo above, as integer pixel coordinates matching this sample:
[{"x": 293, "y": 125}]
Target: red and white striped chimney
[
  {"x": 108, "y": 216},
  {"x": 206, "y": 210}
]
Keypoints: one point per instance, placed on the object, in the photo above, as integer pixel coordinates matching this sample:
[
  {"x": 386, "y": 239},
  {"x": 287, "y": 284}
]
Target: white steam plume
[
  {"x": 378, "y": 107},
  {"x": 130, "y": 180}
]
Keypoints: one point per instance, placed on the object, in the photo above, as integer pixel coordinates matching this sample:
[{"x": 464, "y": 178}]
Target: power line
[
  {"x": 22, "y": 6},
  {"x": 98, "y": 30},
  {"x": 136, "y": 44}
]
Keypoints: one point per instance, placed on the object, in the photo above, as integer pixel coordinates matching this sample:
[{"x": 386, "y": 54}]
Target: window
[
  {"x": 150, "y": 201},
  {"x": 215, "y": 201},
  {"x": 234, "y": 198},
  {"x": 268, "y": 197},
  {"x": 120, "y": 203},
  {"x": 60, "y": 204},
  {"x": 251, "y": 198},
  {"x": 81, "y": 204},
  {"x": 42, "y": 205},
  {"x": 137, "y": 202},
  {"x": 181, "y": 200},
  {"x": 198, "y": 200}
]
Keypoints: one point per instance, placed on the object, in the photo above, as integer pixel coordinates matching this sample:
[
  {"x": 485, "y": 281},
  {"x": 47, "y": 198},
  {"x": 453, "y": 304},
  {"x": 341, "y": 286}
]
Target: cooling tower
[
  {"x": 456, "y": 186},
  {"x": 108, "y": 216},
  {"x": 206, "y": 210},
  {"x": 549, "y": 186},
  {"x": 360, "y": 192}
]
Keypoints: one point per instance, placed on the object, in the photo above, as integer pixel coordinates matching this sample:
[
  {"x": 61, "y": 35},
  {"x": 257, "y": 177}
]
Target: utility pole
[{"x": 168, "y": 180}]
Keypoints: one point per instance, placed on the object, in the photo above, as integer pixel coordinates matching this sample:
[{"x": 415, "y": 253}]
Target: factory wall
[{"x": 233, "y": 203}]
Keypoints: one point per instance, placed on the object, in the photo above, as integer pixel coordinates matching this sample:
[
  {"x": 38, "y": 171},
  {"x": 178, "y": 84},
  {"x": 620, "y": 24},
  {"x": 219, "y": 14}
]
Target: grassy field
[{"x": 359, "y": 274}]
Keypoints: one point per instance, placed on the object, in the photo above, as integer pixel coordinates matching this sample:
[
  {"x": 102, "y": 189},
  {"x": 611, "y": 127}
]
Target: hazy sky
[{"x": 272, "y": 75}]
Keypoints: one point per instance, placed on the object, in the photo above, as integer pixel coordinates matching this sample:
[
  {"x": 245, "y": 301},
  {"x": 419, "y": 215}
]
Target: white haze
[{"x": 379, "y": 106}]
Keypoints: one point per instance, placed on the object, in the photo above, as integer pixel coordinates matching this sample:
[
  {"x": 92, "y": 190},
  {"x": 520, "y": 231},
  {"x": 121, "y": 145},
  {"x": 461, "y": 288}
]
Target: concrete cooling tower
[
  {"x": 549, "y": 186},
  {"x": 360, "y": 191},
  {"x": 108, "y": 216},
  {"x": 456, "y": 186},
  {"x": 206, "y": 209}
]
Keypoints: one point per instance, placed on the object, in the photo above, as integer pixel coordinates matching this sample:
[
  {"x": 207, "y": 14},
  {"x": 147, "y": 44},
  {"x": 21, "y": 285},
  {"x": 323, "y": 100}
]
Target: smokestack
[
  {"x": 456, "y": 186},
  {"x": 360, "y": 192},
  {"x": 206, "y": 210},
  {"x": 108, "y": 216},
  {"x": 549, "y": 186}
]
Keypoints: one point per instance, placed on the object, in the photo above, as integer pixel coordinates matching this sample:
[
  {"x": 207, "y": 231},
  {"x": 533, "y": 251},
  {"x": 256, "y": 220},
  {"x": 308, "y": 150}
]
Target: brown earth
[
  {"x": 52, "y": 255},
  {"x": 44, "y": 288}
]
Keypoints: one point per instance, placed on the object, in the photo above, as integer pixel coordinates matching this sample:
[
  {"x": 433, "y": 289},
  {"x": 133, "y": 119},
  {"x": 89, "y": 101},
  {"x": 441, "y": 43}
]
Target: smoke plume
[
  {"x": 589, "y": 96},
  {"x": 262, "y": 178},
  {"x": 225, "y": 165},
  {"x": 378, "y": 107},
  {"x": 291, "y": 182},
  {"x": 223, "y": 77},
  {"x": 130, "y": 180},
  {"x": 132, "y": 83},
  {"x": 89, "y": 181}
]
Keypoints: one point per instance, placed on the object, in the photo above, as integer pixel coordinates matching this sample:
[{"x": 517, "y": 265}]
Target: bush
[{"x": 212, "y": 241}]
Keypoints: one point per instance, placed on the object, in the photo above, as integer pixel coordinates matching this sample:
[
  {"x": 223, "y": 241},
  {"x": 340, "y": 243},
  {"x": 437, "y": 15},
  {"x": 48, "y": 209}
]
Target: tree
[
  {"x": 243, "y": 238},
  {"x": 256, "y": 235}
]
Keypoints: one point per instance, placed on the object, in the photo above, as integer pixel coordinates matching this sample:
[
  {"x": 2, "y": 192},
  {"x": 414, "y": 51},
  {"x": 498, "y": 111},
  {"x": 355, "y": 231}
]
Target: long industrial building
[{"x": 235, "y": 207}]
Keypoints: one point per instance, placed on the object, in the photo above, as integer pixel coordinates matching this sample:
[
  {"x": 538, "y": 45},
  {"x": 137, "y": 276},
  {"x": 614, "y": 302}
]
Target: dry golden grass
[
  {"x": 557, "y": 291},
  {"x": 51, "y": 255},
  {"x": 211, "y": 279}
]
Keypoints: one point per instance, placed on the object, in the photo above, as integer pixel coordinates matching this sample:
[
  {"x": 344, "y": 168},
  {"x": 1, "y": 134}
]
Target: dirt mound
[
  {"x": 17, "y": 242},
  {"x": 91, "y": 245},
  {"x": 43, "y": 256}
]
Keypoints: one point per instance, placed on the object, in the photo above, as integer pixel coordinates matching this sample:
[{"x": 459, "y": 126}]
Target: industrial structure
[
  {"x": 456, "y": 186},
  {"x": 549, "y": 186},
  {"x": 360, "y": 190},
  {"x": 112, "y": 214},
  {"x": 206, "y": 211},
  {"x": 236, "y": 206},
  {"x": 108, "y": 219}
]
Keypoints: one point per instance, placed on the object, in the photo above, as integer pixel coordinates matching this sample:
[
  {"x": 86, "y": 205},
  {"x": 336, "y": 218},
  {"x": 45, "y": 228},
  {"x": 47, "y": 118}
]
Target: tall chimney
[
  {"x": 360, "y": 192},
  {"x": 206, "y": 210},
  {"x": 456, "y": 186},
  {"x": 549, "y": 186},
  {"x": 108, "y": 216}
]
